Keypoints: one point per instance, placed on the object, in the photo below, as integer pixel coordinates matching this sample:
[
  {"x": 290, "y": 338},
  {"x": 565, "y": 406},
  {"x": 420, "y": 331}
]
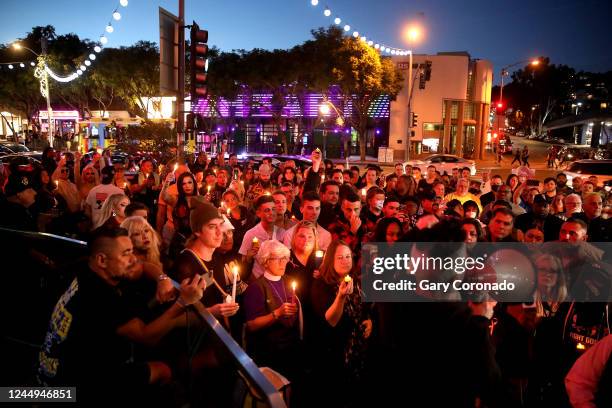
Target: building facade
[{"x": 452, "y": 102}]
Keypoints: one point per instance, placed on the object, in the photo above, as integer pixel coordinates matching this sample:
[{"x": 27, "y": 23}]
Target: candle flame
[
  {"x": 235, "y": 270},
  {"x": 364, "y": 191},
  {"x": 255, "y": 240},
  {"x": 319, "y": 253},
  {"x": 347, "y": 279},
  {"x": 208, "y": 188},
  {"x": 580, "y": 346},
  {"x": 293, "y": 285}
]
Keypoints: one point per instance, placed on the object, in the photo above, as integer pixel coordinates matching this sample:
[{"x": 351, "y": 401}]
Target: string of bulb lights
[
  {"x": 103, "y": 40},
  {"x": 380, "y": 47}
]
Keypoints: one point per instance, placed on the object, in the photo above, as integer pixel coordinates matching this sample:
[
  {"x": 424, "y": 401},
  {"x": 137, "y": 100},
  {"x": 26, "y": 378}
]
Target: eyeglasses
[{"x": 279, "y": 259}]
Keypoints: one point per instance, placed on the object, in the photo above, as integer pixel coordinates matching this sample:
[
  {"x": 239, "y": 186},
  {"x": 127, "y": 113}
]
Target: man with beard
[
  {"x": 541, "y": 218},
  {"x": 93, "y": 323},
  {"x": 330, "y": 195}
]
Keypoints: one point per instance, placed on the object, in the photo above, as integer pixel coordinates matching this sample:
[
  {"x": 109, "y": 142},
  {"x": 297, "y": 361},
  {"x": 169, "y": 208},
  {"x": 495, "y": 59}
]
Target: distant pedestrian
[
  {"x": 525, "y": 156},
  {"x": 499, "y": 155},
  {"x": 517, "y": 157}
]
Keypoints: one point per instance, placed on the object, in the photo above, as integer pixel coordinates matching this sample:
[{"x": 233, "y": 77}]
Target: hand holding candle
[
  {"x": 319, "y": 258},
  {"x": 349, "y": 281},
  {"x": 293, "y": 286}
]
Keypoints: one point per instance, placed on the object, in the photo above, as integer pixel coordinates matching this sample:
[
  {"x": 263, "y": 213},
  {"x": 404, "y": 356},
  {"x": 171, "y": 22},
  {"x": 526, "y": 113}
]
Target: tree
[{"x": 361, "y": 74}]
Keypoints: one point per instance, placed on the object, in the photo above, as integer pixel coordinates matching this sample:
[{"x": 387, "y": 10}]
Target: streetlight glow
[
  {"x": 17, "y": 46},
  {"x": 324, "y": 109},
  {"x": 413, "y": 33},
  {"x": 535, "y": 62}
]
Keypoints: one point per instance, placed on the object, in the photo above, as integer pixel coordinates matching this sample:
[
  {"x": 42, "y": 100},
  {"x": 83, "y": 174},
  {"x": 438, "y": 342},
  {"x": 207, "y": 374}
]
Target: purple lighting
[{"x": 378, "y": 131}]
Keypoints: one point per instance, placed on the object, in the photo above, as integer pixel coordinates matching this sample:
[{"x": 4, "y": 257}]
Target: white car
[
  {"x": 585, "y": 168},
  {"x": 443, "y": 163}
]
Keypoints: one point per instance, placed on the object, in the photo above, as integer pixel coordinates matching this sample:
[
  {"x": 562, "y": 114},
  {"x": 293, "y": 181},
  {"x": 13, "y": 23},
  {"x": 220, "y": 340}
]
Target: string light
[
  {"x": 377, "y": 46},
  {"x": 97, "y": 49}
]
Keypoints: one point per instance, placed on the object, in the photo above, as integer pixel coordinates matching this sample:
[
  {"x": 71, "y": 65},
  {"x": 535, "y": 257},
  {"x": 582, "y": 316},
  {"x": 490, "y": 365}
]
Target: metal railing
[{"x": 41, "y": 254}]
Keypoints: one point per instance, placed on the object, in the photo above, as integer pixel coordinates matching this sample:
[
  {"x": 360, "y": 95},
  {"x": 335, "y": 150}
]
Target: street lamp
[
  {"x": 412, "y": 34},
  {"x": 504, "y": 72},
  {"x": 324, "y": 109},
  {"x": 43, "y": 77}
]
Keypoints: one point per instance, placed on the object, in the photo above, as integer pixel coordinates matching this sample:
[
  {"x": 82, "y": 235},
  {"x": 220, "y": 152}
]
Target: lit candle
[
  {"x": 580, "y": 346},
  {"x": 229, "y": 212},
  {"x": 124, "y": 185},
  {"x": 364, "y": 192},
  {"x": 208, "y": 189},
  {"x": 255, "y": 241},
  {"x": 293, "y": 286},
  {"x": 175, "y": 166},
  {"x": 323, "y": 178},
  {"x": 235, "y": 272},
  {"x": 268, "y": 193},
  {"x": 347, "y": 279},
  {"x": 56, "y": 183},
  {"x": 318, "y": 258},
  {"x": 242, "y": 182}
]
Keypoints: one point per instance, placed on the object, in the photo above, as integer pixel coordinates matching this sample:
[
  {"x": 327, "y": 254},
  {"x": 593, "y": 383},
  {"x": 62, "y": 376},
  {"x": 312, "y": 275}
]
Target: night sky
[{"x": 568, "y": 32}]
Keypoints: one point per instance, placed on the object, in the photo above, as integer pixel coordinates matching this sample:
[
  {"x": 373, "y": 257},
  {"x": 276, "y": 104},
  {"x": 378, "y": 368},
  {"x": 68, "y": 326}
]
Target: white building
[{"x": 457, "y": 85}]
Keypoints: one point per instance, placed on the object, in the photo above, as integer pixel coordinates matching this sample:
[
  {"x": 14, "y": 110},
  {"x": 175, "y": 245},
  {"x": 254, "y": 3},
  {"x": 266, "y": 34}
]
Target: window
[{"x": 433, "y": 127}]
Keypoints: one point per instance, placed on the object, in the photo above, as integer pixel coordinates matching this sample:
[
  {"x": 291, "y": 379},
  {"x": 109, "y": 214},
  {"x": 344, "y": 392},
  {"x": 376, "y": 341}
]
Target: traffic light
[
  {"x": 422, "y": 79},
  {"x": 427, "y": 70},
  {"x": 199, "y": 62},
  {"x": 415, "y": 118},
  {"x": 499, "y": 107}
]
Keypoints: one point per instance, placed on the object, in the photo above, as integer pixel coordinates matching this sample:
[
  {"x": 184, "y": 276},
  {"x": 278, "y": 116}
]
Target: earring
[{"x": 114, "y": 213}]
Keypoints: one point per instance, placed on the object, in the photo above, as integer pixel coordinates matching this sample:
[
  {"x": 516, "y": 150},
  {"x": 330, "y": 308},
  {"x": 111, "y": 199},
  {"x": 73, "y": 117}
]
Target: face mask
[
  {"x": 379, "y": 204},
  {"x": 470, "y": 214}
]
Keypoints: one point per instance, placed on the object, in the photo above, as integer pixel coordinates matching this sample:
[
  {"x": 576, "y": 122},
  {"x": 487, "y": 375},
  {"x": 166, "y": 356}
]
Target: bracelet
[{"x": 163, "y": 277}]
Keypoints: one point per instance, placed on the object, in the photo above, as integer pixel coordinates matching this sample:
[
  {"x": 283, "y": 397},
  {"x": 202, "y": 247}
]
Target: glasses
[{"x": 279, "y": 259}]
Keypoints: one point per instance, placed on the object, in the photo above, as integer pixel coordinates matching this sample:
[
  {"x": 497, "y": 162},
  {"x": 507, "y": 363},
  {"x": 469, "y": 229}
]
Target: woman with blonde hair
[
  {"x": 144, "y": 238},
  {"x": 113, "y": 211},
  {"x": 303, "y": 261},
  {"x": 551, "y": 289}
]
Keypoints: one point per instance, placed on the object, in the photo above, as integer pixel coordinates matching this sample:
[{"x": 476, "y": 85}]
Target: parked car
[
  {"x": 586, "y": 168},
  {"x": 569, "y": 154},
  {"x": 443, "y": 163},
  {"x": 11, "y": 148},
  {"x": 24, "y": 163}
]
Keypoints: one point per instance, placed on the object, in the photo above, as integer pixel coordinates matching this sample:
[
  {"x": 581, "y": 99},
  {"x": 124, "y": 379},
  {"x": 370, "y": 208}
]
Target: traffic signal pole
[{"x": 180, "y": 96}]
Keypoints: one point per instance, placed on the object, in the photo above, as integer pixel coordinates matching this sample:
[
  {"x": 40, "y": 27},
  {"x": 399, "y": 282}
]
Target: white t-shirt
[
  {"x": 262, "y": 235},
  {"x": 96, "y": 197},
  {"x": 324, "y": 238}
]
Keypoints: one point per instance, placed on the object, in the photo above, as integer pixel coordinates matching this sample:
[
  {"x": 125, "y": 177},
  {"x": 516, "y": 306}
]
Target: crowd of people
[{"x": 274, "y": 254}]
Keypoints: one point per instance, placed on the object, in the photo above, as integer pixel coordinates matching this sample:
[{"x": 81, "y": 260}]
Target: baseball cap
[{"x": 17, "y": 183}]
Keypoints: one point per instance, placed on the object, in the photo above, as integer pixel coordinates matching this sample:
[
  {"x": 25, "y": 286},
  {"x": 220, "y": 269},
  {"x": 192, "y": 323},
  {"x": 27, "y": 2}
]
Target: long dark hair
[
  {"x": 328, "y": 273},
  {"x": 380, "y": 233}
]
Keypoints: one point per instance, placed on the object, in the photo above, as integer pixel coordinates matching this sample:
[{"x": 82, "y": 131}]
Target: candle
[
  {"x": 208, "y": 189},
  {"x": 175, "y": 166},
  {"x": 318, "y": 258},
  {"x": 229, "y": 212},
  {"x": 364, "y": 192},
  {"x": 124, "y": 185},
  {"x": 268, "y": 193},
  {"x": 293, "y": 286},
  {"x": 255, "y": 241},
  {"x": 235, "y": 272},
  {"x": 323, "y": 178},
  {"x": 242, "y": 182},
  {"x": 347, "y": 279},
  {"x": 56, "y": 183}
]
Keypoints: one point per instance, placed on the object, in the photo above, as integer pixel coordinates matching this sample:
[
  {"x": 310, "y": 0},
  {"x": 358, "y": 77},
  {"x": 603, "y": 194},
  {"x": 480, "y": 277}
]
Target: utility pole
[
  {"x": 180, "y": 96},
  {"x": 409, "y": 121},
  {"x": 51, "y": 124}
]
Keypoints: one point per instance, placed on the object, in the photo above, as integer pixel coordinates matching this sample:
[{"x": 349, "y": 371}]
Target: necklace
[{"x": 284, "y": 298}]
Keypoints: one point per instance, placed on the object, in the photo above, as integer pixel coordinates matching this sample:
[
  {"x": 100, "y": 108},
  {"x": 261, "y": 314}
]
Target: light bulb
[
  {"x": 83, "y": 67},
  {"x": 117, "y": 15},
  {"x": 32, "y": 64},
  {"x": 355, "y": 34},
  {"x": 103, "y": 40},
  {"x": 327, "y": 12},
  {"x": 10, "y": 66},
  {"x": 314, "y": 2},
  {"x": 97, "y": 48},
  {"x": 92, "y": 56},
  {"x": 79, "y": 72},
  {"x": 347, "y": 27},
  {"x": 87, "y": 62},
  {"x": 22, "y": 65},
  {"x": 337, "y": 20},
  {"x": 109, "y": 28},
  {"x": 377, "y": 46},
  {"x": 370, "y": 43},
  {"x": 124, "y": 3}
]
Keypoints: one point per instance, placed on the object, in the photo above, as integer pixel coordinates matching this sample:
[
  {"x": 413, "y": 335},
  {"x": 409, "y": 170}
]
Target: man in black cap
[
  {"x": 18, "y": 211},
  {"x": 541, "y": 218}
]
